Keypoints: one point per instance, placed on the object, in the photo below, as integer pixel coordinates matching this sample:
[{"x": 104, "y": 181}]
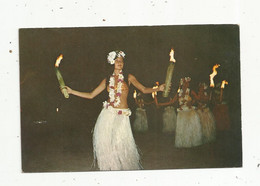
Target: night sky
[{"x": 197, "y": 49}]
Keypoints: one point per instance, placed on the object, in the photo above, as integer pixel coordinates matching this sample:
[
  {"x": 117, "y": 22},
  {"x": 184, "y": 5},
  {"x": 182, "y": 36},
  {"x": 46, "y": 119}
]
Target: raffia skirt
[
  {"x": 208, "y": 125},
  {"x": 140, "y": 123},
  {"x": 169, "y": 119},
  {"x": 188, "y": 129},
  {"x": 113, "y": 143}
]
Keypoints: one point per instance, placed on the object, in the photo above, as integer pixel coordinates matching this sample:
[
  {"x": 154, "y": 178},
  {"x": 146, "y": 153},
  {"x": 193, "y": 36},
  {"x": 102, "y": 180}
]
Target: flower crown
[
  {"x": 204, "y": 85},
  {"x": 186, "y": 79},
  {"x": 113, "y": 55}
]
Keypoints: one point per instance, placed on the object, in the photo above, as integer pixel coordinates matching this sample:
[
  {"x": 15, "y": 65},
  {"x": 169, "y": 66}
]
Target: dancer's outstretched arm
[
  {"x": 173, "y": 100},
  {"x": 142, "y": 88},
  {"x": 88, "y": 95}
]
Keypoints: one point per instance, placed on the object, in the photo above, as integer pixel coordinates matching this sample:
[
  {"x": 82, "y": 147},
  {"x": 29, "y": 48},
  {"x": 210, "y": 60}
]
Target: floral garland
[
  {"x": 183, "y": 101},
  {"x": 113, "y": 55},
  {"x": 114, "y": 96},
  {"x": 180, "y": 90},
  {"x": 186, "y": 96}
]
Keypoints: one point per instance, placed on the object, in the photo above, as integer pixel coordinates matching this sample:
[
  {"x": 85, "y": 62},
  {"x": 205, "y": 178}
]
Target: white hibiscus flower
[{"x": 111, "y": 57}]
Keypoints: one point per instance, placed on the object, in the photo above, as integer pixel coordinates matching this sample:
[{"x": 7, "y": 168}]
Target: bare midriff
[{"x": 123, "y": 98}]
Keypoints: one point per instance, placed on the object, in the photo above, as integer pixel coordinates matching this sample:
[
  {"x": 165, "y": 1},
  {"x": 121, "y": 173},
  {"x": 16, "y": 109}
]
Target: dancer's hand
[
  {"x": 161, "y": 87},
  {"x": 69, "y": 90}
]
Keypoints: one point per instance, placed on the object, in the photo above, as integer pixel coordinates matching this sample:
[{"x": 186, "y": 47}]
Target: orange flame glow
[
  {"x": 224, "y": 82},
  {"x": 58, "y": 60},
  {"x": 155, "y": 87},
  {"x": 213, "y": 74},
  {"x": 134, "y": 94},
  {"x": 171, "y": 54}
]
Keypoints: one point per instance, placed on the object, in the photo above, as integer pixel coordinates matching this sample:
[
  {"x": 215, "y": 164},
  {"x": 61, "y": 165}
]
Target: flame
[
  {"x": 224, "y": 82},
  {"x": 134, "y": 94},
  {"x": 213, "y": 74},
  {"x": 153, "y": 94},
  {"x": 58, "y": 60},
  {"x": 171, "y": 54},
  {"x": 155, "y": 87},
  {"x": 179, "y": 89}
]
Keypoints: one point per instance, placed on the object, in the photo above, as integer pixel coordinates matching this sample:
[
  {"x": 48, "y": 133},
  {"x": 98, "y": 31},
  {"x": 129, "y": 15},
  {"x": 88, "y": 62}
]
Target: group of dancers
[
  {"x": 114, "y": 147},
  {"x": 193, "y": 125}
]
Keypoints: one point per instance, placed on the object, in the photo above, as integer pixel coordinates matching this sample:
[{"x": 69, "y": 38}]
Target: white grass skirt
[
  {"x": 188, "y": 129},
  {"x": 140, "y": 123},
  {"x": 169, "y": 119},
  {"x": 208, "y": 125},
  {"x": 113, "y": 143}
]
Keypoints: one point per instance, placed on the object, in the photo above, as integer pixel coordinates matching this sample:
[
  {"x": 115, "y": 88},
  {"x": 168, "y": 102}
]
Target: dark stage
[
  {"x": 69, "y": 148},
  {"x": 56, "y": 132}
]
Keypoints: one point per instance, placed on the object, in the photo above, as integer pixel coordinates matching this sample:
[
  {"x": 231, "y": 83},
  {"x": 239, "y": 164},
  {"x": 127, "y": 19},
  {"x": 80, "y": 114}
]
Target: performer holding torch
[
  {"x": 114, "y": 146},
  {"x": 220, "y": 109}
]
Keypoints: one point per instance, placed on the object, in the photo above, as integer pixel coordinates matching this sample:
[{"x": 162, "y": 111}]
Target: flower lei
[
  {"x": 114, "y": 96},
  {"x": 186, "y": 96},
  {"x": 113, "y": 55}
]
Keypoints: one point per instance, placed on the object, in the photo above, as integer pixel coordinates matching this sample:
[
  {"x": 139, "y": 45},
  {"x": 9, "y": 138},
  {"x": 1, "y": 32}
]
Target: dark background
[{"x": 197, "y": 49}]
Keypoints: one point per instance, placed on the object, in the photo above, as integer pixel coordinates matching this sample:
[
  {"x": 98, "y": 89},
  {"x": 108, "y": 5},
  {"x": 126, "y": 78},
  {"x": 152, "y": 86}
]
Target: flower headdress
[
  {"x": 204, "y": 85},
  {"x": 113, "y": 55},
  {"x": 186, "y": 79}
]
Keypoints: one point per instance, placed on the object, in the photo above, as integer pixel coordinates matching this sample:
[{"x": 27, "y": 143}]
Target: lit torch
[
  {"x": 211, "y": 78},
  {"x": 168, "y": 78},
  {"x": 60, "y": 78},
  {"x": 224, "y": 82}
]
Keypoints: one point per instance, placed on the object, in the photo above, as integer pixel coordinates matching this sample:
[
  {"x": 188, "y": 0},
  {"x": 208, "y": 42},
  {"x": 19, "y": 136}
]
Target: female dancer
[
  {"x": 169, "y": 116},
  {"x": 188, "y": 128},
  {"x": 207, "y": 119},
  {"x": 140, "y": 123},
  {"x": 113, "y": 143}
]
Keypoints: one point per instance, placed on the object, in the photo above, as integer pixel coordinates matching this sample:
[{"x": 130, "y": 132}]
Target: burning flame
[
  {"x": 179, "y": 89},
  {"x": 171, "y": 54},
  {"x": 224, "y": 82},
  {"x": 58, "y": 60},
  {"x": 155, "y": 87},
  {"x": 214, "y": 73},
  {"x": 134, "y": 94}
]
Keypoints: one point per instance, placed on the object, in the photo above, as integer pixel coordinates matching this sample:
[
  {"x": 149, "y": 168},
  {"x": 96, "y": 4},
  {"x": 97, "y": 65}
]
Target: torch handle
[
  {"x": 221, "y": 95},
  {"x": 168, "y": 79},
  {"x": 61, "y": 82}
]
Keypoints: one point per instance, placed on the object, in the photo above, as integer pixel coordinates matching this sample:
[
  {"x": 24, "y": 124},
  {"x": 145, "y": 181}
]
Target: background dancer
[{"x": 207, "y": 119}]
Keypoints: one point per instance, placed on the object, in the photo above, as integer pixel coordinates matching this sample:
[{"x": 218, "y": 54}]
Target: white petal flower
[
  {"x": 120, "y": 76},
  {"x": 112, "y": 54},
  {"x": 122, "y": 54}
]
